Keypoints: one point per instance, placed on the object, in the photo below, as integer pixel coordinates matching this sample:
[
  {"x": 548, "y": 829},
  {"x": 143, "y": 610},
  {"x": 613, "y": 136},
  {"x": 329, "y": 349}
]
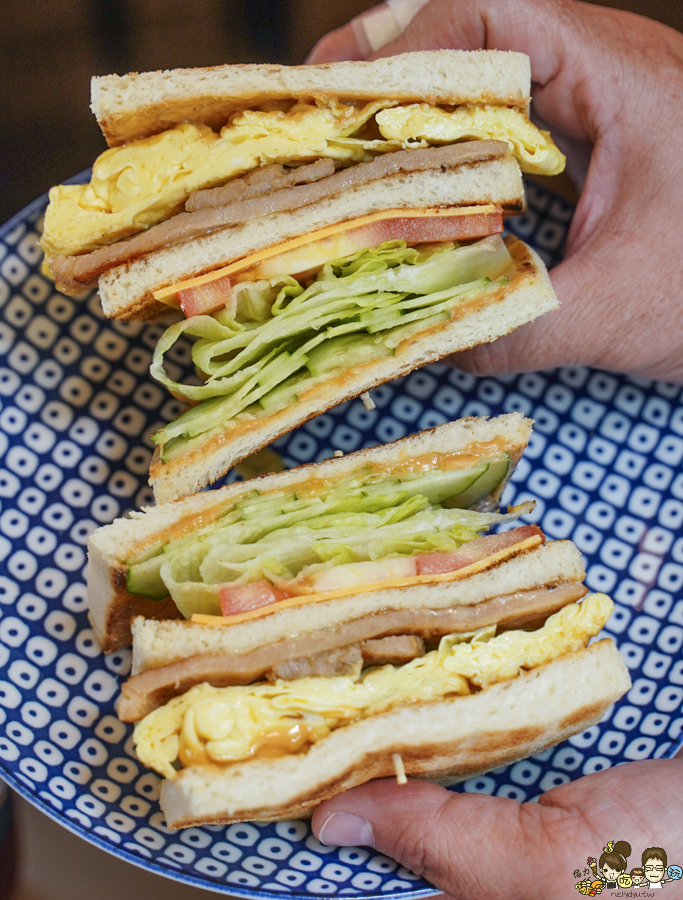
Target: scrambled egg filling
[
  {"x": 146, "y": 181},
  {"x": 534, "y": 149},
  {"x": 219, "y": 726}
]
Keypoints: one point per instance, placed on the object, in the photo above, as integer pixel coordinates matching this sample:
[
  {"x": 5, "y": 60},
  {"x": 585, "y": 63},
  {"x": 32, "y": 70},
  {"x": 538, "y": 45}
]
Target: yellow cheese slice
[
  {"x": 304, "y": 599},
  {"x": 304, "y": 239}
]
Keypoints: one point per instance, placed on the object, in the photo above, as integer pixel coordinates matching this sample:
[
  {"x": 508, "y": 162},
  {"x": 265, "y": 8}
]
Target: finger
[
  {"x": 610, "y": 802},
  {"x": 367, "y": 33},
  {"x": 337, "y": 45},
  {"x": 549, "y": 341},
  {"x": 440, "y": 835},
  {"x": 556, "y": 34},
  {"x": 602, "y": 320}
]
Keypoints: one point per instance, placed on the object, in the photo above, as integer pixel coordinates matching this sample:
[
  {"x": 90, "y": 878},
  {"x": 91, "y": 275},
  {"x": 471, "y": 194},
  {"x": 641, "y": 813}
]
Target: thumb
[
  {"x": 562, "y": 337},
  {"x": 559, "y": 36},
  {"x": 539, "y": 28},
  {"x": 453, "y": 840}
]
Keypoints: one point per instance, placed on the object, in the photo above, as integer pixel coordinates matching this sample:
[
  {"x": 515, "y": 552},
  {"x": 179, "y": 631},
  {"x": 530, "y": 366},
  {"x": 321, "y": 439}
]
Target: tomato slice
[
  {"x": 451, "y": 560},
  {"x": 205, "y": 299},
  {"x": 239, "y": 598},
  {"x": 411, "y": 229}
]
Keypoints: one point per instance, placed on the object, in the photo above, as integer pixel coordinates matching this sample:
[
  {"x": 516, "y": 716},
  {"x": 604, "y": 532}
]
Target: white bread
[
  {"x": 520, "y": 302},
  {"x": 136, "y": 105},
  {"x": 111, "y": 606},
  {"x": 126, "y": 290},
  {"x": 160, "y": 642},
  {"x": 448, "y": 740}
]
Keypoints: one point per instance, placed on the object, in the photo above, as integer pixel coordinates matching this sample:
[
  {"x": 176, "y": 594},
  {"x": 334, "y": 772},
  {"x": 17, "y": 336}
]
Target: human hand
[
  {"x": 474, "y": 845},
  {"x": 608, "y": 84}
]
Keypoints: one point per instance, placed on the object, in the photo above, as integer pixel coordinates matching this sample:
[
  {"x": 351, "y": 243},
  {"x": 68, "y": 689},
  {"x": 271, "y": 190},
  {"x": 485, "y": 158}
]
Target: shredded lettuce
[
  {"x": 273, "y": 330},
  {"x": 279, "y": 536},
  {"x": 195, "y": 576}
]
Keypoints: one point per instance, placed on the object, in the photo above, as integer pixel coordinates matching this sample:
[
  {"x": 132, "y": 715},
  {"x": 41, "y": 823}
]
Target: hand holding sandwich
[
  {"x": 473, "y": 845},
  {"x": 606, "y": 82},
  {"x": 296, "y": 238}
]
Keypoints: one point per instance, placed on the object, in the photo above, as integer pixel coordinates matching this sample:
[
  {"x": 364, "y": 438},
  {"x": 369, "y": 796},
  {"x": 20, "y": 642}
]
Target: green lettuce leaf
[
  {"x": 279, "y": 535},
  {"x": 268, "y": 328}
]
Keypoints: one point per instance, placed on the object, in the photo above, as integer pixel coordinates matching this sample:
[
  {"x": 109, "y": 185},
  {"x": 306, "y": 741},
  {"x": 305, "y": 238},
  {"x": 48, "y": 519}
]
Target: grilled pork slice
[
  {"x": 241, "y": 200},
  {"x": 319, "y": 654}
]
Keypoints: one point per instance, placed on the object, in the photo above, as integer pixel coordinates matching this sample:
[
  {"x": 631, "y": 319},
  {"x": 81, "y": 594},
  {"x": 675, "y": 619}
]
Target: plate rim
[{"x": 154, "y": 866}]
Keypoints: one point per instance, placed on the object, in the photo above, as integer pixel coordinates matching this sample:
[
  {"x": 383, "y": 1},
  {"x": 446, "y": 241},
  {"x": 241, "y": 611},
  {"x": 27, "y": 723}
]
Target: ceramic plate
[{"x": 77, "y": 406}]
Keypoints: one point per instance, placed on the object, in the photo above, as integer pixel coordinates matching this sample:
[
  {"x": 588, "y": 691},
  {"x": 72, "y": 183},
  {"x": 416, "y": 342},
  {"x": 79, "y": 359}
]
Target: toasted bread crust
[
  {"x": 137, "y": 105},
  {"x": 466, "y": 736}
]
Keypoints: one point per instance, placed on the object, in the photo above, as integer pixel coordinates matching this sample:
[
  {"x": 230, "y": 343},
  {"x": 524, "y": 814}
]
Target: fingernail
[
  {"x": 346, "y": 830},
  {"x": 382, "y": 24}
]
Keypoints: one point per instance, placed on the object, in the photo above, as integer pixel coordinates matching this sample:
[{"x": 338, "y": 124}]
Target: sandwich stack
[
  {"x": 323, "y": 229},
  {"x": 345, "y": 618},
  {"x": 319, "y": 231}
]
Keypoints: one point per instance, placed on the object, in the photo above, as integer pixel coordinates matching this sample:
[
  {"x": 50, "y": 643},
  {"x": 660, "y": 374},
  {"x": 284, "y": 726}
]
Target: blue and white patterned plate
[{"x": 76, "y": 408}]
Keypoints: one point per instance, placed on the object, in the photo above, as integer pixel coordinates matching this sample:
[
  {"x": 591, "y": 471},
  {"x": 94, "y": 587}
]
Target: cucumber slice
[
  {"x": 179, "y": 446},
  {"x": 381, "y": 319},
  {"x": 285, "y": 394},
  {"x": 443, "y": 487},
  {"x": 345, "y": 351},
  {"x": 394, "y": 337},
  {"x": 144, "y": 579},
  {"x": 366, "y": 499},
  {"x": 146, "y": 554},
  {"x": 281, "y": 364},
  {"x": 198, "y": 412},
  {"x": 485, "y": 485}
]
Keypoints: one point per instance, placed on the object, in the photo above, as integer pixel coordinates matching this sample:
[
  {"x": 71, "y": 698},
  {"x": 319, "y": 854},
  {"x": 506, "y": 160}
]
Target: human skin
[
  {"x": 472, "y": 845},
  {"x": 608, "y": 84}
]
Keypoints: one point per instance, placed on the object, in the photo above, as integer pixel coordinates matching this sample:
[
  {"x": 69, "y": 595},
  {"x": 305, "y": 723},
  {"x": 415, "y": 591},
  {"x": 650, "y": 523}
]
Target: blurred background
[{"x": 49, "y": 49}]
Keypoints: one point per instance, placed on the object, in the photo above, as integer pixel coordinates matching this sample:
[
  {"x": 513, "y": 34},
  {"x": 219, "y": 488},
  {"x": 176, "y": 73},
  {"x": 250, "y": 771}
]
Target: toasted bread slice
[
  {"x": 448, "y": 741},
  {"x": 132, "y": 106}
]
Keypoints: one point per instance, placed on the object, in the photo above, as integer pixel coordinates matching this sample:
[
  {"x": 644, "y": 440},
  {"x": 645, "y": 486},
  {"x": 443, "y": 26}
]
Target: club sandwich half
[
  {"x": 346, "y": 621},
  {"x": 323, "y": 229}
]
